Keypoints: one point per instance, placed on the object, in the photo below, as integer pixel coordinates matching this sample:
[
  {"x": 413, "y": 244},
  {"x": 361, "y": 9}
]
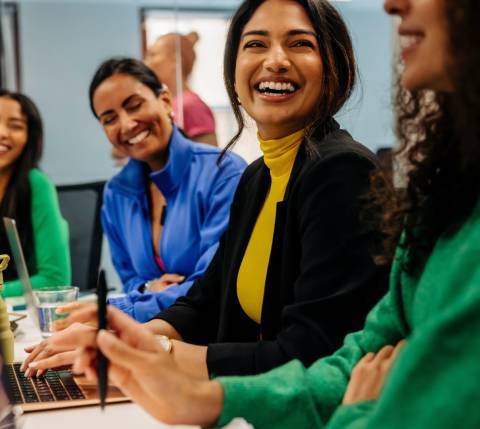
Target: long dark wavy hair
[
  {"x": 16, "y": 203},
  {"x": 336, "y": 51},
  {"x": 440, "y": 141}
]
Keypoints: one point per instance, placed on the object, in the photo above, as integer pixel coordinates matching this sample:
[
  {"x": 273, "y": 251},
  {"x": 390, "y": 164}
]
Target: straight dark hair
[
  {"x": 336, "y": 51},
  {"x": 126, "y": 66},
  {"x": 16, "y": 203}
]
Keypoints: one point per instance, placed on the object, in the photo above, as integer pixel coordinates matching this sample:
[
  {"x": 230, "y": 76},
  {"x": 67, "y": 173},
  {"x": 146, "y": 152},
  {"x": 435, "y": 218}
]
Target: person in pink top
[{"x": 197, "y": 120}]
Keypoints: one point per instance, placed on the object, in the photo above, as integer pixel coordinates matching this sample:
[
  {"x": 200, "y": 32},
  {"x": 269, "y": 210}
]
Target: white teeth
[
  {"x": 408, "y": 41},
  {"x": 277, "y": 86},
  {"x": 139, "y": 137}
]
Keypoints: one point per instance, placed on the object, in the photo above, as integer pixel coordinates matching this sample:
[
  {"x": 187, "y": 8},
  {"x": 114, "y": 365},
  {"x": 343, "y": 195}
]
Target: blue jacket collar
[{"x": 132, "y": 179}]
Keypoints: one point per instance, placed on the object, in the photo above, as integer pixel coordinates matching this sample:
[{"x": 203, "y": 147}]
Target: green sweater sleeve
[
  {"x": 50, "y": 231},
  {"x": 434, "y": 382},
  {"x": 293, "y": 396}
]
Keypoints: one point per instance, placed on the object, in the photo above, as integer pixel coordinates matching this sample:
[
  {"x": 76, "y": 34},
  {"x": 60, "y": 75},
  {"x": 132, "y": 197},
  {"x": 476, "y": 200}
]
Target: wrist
[{"x": 206, "y": 401}]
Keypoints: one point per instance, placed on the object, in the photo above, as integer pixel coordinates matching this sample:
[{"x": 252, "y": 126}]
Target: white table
[{"x": 117, "y": 416}]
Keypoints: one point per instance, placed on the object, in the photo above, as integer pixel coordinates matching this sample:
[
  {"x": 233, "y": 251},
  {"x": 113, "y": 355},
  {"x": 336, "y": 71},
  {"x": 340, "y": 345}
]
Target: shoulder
[
  {"x": 254, "y": 174},
  {"x": 209, "y": 156},
  {"x": 40, "y": 182},
  {"x": 338, "y": 154},
  {"x": 340, "y": 144},
  {"x": 192, "y": 100}
]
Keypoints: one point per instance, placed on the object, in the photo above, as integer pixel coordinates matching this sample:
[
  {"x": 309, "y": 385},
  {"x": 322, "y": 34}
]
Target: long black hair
[
  {"x": 336, "y": 51},
  {"x": 16, "y": 203},
  {"x": 127, "y": 66}
]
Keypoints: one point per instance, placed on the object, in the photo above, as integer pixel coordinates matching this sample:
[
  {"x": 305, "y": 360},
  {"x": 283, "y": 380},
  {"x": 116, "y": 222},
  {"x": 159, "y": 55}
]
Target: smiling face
[
  {"x": 134, "y": 119},
  {"x": 13, "y": 133},
  {"x": 278, "y": 73},
  {"x": 424, "y": 43}
]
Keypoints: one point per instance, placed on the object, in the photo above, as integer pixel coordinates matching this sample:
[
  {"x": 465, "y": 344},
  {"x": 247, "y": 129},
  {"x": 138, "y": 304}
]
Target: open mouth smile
[
  {"x": 283, "y": 89},
  {"x": 4, "y": 148},
  {"x": 140, "y": 137}
]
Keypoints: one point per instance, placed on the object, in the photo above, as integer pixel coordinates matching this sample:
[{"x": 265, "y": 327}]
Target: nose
[
  {"x": 3, "y": 130},
  {"x": 396, "y": 7},
  {"x": 127, "y": 123},
  {"x": 277, "y": 60}
]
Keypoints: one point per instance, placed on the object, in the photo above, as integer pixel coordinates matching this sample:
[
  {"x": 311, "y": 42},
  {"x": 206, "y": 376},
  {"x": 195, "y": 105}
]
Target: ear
[
  {"x": 193, "y": 37},
  {"x": 165, "y": 97}
]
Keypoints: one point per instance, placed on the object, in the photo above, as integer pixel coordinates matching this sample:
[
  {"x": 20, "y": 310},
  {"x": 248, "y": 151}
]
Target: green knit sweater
[
  {"x": 435, "y": 382},
  {"x": 50, "y": 232}
]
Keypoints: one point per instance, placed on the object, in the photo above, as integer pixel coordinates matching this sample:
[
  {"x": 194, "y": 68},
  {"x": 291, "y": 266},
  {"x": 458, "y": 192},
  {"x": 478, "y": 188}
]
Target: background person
[
  {"x": 198, "y": 120},
  {"x": 165, "y": 211},
  {"x": 28, "y": 196}
]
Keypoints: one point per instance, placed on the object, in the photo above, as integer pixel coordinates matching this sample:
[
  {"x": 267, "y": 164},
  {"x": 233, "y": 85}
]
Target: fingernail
[{"x": 33, "y": 365}]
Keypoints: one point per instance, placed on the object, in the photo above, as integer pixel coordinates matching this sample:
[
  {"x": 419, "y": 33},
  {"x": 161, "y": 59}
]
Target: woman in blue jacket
[{"x": 166, "y": 210}]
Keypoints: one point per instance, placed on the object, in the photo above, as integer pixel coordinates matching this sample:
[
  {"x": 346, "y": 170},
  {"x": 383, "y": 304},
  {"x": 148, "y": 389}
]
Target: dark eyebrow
[
  {"x": 255, "y": 33},
  {"x": 300, "y": 32},
  {"x": 124, "y": 103},
  {"x": 17, "y": 119},
  {"x": 296, "y": 32}
]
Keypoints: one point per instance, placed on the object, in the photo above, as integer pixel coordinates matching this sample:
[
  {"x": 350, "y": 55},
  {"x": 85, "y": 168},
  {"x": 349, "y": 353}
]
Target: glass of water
[{"x": 47, "y": 300}]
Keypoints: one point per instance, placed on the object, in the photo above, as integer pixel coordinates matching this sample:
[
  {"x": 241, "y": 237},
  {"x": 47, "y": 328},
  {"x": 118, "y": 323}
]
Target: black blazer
[{"x": 321, "y": 279}]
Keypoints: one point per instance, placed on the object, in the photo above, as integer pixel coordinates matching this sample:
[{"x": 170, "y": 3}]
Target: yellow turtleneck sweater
[{"x": 279, "y": 156}]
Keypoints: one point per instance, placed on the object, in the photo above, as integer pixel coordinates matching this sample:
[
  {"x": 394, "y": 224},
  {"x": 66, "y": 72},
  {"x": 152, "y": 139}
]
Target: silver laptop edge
[{"x": 19, "y": 258}]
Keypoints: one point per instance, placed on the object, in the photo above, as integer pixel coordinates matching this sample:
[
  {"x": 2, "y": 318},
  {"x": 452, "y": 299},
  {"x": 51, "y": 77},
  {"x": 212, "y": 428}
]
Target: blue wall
[
  {"x": 368, "y": 116},
  {"x": 62, "y": 43}
]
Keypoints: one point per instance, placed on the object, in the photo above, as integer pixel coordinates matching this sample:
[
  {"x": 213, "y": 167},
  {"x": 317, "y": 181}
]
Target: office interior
[{"x": 49, "y": 49}]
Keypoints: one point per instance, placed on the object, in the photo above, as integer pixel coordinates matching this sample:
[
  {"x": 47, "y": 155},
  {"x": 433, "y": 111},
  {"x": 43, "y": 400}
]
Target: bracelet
[
  {"x": 165, "y": 342},
  {"x": 148, "y": 284}
]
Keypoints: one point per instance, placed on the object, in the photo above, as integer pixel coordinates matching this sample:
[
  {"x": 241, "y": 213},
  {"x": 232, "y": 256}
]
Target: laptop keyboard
[{"x": 53, "y": 386}]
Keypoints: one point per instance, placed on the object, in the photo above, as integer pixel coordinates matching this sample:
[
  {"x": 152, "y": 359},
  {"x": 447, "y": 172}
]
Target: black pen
[{"x": 102, "y": 361}]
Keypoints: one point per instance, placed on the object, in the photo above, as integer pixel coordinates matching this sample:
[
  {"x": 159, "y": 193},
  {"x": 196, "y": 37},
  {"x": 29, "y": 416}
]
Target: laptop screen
[{"x": 18, "y": 257}]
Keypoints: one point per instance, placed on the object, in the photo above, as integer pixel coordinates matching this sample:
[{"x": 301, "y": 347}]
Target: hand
[
  {"x": 165, "y": 281},
  {"x": 146, "y": 373},
  {"x": 69, "y": 308},
  {"x": 84, "y": 312},
  {"x": 368, "y": 376},
  {"x": 58, "y": 350}
]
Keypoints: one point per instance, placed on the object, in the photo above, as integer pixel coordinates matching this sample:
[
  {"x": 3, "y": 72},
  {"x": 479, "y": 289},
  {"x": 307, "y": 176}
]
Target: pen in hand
[{"x": 102, "y": 361}]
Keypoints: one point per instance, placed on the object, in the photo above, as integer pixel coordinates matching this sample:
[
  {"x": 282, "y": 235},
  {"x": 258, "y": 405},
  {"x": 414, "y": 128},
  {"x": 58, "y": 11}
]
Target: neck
[
  {"x": 157, "y": 164},
  {"x": 275, "y": 133},
  {"x": 5, "y": 176}
]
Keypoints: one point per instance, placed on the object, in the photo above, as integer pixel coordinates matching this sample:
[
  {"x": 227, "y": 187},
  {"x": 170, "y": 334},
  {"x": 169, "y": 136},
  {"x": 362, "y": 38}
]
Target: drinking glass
[{"x": 47, "y": 300}]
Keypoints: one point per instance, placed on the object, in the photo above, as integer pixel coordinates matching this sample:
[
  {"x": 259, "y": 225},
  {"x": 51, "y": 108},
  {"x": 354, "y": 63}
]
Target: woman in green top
[
  {"x": 434, "y": 298},
  {"x": 27, "y": 195}
]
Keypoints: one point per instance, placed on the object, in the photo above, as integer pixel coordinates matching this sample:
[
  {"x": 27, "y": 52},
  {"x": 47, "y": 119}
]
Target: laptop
[{"x": 57, "y": 388}]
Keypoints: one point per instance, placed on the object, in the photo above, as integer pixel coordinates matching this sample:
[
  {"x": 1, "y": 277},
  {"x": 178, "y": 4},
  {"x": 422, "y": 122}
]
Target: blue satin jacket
[{"x": 198, "y": 194}]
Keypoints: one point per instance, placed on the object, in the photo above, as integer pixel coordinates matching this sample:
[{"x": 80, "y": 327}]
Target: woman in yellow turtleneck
[{"x": 293, "y": 273}]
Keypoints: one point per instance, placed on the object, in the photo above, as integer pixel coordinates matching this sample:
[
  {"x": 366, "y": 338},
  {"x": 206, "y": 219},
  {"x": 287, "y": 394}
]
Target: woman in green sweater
[
  {"x": 28, "y": 195},
  {"x": 434, "y": 297}
]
